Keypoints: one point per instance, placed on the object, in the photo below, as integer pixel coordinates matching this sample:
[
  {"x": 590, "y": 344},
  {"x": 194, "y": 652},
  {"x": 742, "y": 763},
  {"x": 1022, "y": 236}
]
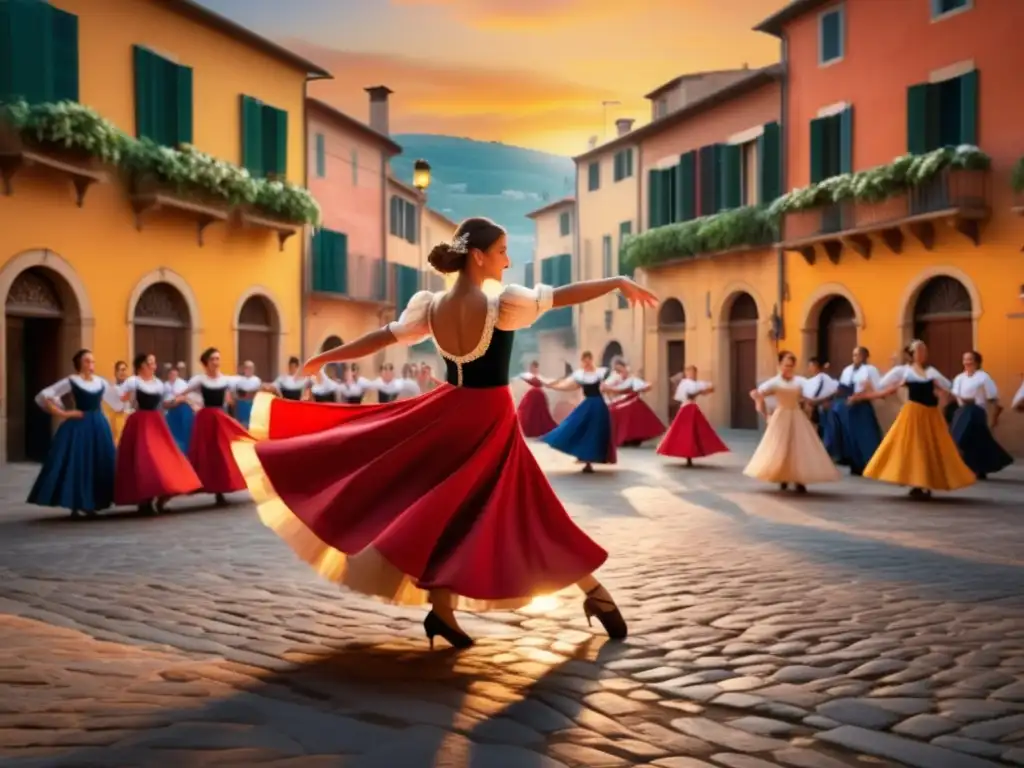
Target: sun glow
[{"x": 542, "y": 604}]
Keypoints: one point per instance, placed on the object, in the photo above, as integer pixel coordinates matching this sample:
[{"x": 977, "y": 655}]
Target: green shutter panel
[
  {"x": 769, "y": 155},
  {"x": 341, "y": 262},
  {"x": 545, "y": 272},
  {"x": 316, "y": 260},
  {"x": 846, "y": 140},
  {"x": 625, "y": 230},
  {"x": 819, "y": 171},
  {"x": 167, "y": 101},
  {"x": 686, "y": 195},
  {"x": 729, "y": 182},
  {"x": 719, "y": 161},
  {"x": 30, "y": 47},
  {"x": 183, "y": 105},
  {"x": 969, "y": 108},
  {"x": 280, "y": 146},
  {"x": 410, "y": 221},
  {"x": 566, "y": 269},
  {"x": 629, "y": 162},
  {"x": 7, "y": 62},
  {"x": 252, "y": 136},
  {"x": 65, "y": 54},
  {"x": 917, "y": 118},
  {"x": 144, "y": 62},
  {"x": 668, "y": 196},
  {"x": 653, "y": 198}
]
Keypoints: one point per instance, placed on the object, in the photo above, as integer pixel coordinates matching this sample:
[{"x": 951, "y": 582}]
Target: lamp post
[{"x": 421, "y": 180}]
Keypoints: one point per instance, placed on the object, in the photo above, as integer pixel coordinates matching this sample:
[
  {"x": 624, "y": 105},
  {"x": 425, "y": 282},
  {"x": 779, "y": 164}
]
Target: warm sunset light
[{"x": 542, "y": 604}]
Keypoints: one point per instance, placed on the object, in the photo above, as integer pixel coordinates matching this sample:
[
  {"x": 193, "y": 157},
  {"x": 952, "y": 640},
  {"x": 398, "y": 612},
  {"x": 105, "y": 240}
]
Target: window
[
  {"x": 355, "y": 168},
  {"x": 264, "y": 139},
  {"x": 623, "y": 164},
  {"x": 163, "y": 99},
  {"x": 660, "y": 107},
  {"x": 832, "y": 145},
  {"x": 625, "y": 230},
  {"x": 750, "y": 174},
  {"x": 403, "y": 219},
  {"x": 321, "y": 156},
  {"x": 606, "y": 256},
  {"x": 769, "y": 153},
  {"x": 830, "y": 36},
  {"x": 942, "y": 114},
  {"x": 39, "y": 55},
  {"x": 330, "y": 261},
  {"x": 407, "y": 283},
  {"x": 565, "y": 224},
  {"x": 594, "y": 176},
  {"x": 943, "y": 8}
]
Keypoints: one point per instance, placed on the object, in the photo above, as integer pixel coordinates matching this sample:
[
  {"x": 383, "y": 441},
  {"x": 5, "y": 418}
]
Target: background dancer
[
  {"x": 859, "y": 431},
  {"x": 533, "y": 411},
  {"x": 819, "y": 389},
  {"x": 633, "y": 421},
  {"x": 976, "y": 394},
  {"x": 691, "y": 436},
  {"x": 292, "y": 385},
  {"x": 244, "y": 389},
  {"x": 78, "y": 473},
  {"x": 352, "y": 387},
  {"x": 118, "y": 418},
  {"x": 324, "y": 389},
  {"x": 180, "y": 413},
  {"x": 586, "y": 433}
]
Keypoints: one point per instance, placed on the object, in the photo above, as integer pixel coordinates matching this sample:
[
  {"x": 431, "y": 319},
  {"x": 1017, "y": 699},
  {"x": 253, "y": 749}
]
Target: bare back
[{"x": 457, "y": 321}]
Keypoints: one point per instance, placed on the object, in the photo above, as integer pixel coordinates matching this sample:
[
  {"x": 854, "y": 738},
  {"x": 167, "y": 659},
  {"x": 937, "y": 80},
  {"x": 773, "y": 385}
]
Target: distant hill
[{"x": 479, "y": 178}]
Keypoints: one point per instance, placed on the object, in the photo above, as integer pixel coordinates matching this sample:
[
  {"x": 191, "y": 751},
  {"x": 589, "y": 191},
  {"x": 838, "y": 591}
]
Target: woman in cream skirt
[{"x": 790, "y": 453}]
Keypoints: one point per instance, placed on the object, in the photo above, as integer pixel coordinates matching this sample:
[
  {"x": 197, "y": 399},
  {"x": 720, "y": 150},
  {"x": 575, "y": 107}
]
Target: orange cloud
[{"x": 524, "y": 14}]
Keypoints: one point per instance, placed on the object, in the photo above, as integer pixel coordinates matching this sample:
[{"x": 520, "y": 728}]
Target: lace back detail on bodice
[{"x": 479, "y": 350}]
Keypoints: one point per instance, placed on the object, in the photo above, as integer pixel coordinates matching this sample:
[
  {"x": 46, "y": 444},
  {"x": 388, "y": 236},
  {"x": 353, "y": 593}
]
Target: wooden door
[
  {"x": 841, "y": 338},
  {"x": 743, "y": 374},
  {"x": 18, "y": 398},
  {"x": 168, "y": 343},
  {"x": 675, "y": 355},
  {"x": 258, "y": 346},
  {"x": 947, "y": 340}
]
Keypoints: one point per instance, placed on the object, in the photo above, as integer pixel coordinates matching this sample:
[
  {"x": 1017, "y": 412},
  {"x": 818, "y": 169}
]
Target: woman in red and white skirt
[
  {"x": 533, "y": 411},
  {"x": 150, "y": 466},
  {"x": 633, "y": 421},
  {"x": 691, "y": 436},
  {"x": 437, "y": 498},
  {"x": 214, "y": 431}
]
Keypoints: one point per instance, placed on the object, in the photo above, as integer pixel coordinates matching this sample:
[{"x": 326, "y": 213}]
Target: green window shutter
[
  {"x": 969, "y": 107},
  {"x": 708, "y": 174},
  {"x": 668, "y": 195},
  {"x": 145, "y": 92},
  {"x": 166, "y": 86},
  {"x": 686, "y": 196},
  {"x": 617, "y": 174},
  {"x": 593, "y": 176},
  {"x": 528, "y": 275},
  {"x": 566, "y": 269},
  {"x": 625, "y": 230},
  {"x": 846, "y": 140},
  {"x": 653, "y": 198},
  {"x": 183, "y": 105},
  {"x": 819, "y": 169},
  {"x": 719, "y": 154},
  {"x": 275, "y": 141},
  {"x": 917, "y": 115},
  {"x": 339, "y": 262},
  {"x": 252, "y": 136},
  {"x": 769, "y": 155},
  {"x": 545, "y": 272},
  {"x": 629, "y": 163},
  {"x": 729, "y": 182},
  {"x": 315, "y": 248},
  {"x": 606, "y": 256},
  {"x": 321, "y": 156},
  {"x": 64, "y": 28},
  {"x": 410, "y": 216},
  {"x": 27, "y": 48}
]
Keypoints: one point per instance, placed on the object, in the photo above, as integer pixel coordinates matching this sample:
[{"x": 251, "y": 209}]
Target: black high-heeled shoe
[
  {"x": 611, "y": 619},
  {"x": 433, "y": 625}
]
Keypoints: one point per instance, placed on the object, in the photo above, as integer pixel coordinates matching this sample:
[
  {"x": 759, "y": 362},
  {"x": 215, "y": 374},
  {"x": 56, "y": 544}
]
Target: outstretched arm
[
  {"x": 364, "y": 346},
  {"x": 588, "y": 290},
  {"x": 563, "y": 385}
]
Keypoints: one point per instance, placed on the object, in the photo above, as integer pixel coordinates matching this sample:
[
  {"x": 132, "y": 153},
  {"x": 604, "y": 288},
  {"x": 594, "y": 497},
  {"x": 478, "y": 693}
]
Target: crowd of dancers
[{"x": 431, "y": 494}]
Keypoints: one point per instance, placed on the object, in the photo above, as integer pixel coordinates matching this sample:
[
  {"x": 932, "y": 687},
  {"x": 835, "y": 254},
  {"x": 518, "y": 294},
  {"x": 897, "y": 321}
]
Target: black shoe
[
  {"x": 588, "y": 468},
  {"x": 918, "y": 493},
  {"x": 221, "y": 501},
  {"x": 801, "y": 488},
  {"x": 433, "y": 625},
  {"x": 689, "y": 462},
  {"x": 783, "y": 486},
  {"x": 610, "y": 618}
]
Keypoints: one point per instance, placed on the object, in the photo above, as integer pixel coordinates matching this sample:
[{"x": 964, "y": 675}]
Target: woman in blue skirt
[
  {"x": 586, "y": 433},
  {"x": 180, "y": 415},
  {"x": 244, "y": 389},
  {"x": 975, "y": 394},
  {"x": 854, "y": 435},
  {"x": 78, "y": 473}
]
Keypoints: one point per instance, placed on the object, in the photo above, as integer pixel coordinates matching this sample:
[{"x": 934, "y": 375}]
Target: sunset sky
[{"x": 531, "y": 73}]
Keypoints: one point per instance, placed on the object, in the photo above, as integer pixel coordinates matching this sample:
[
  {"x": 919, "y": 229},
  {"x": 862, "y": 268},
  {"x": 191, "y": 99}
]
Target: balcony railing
[
  {"x": 957, "y": 195},
  {"x": 356, "y": 277}
]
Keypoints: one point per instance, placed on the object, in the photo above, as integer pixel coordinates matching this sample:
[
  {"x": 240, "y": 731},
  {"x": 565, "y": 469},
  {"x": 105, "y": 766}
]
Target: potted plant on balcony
[
  {"x": 285, "y": 202},
  {"x": 949, "y": 177},
  {"x": 65, "y": 130}
]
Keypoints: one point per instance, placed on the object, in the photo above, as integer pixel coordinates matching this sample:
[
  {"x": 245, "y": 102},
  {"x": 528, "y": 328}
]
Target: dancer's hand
[
  {"x": 312, "y": 367},
  {"x": 636, "y": 294}
]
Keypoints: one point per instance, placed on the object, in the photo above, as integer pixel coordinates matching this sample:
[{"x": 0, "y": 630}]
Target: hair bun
[{"x": 445, "y": 260}]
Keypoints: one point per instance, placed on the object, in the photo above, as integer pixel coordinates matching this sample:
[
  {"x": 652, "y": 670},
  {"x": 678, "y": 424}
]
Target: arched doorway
[
  {"x": 257, "y": 336},
  {"x": 743, "y": 319},
  {"x": 672, "y": 330},
  {"x": 837, "y": 333},
  {"x": 332, "y": 342},
  {"x": 611, "y": 351},
  {"x": 41, "y": 315},
  {"x": 162, "y": 325},
  {"x": 943, "y": 320}
]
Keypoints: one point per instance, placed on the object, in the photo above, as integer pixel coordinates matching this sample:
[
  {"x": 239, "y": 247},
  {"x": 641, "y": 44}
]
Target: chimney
[
  {"x": 623, "y": 126},
  {"x": 379, "y": 108}
]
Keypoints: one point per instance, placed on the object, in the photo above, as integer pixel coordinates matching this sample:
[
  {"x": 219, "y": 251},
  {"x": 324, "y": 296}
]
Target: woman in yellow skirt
[
  {"x": 918, "y": 450},
  {"x": 790, "y": 453},
  {"x": 118, "y": 418}
]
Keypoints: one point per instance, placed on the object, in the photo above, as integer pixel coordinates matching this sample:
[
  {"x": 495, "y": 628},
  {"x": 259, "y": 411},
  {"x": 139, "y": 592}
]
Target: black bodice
[
  {"x": 386, "y": 397},
  {"x": 86, "y": 400},
  {"x": 922, "y": 393},
  {"x": 592, "y": 390},
  {"x": 354, "y": 399},
  {"x": 291, "y": 394},
  {"x": 213, "y": 397},
  {"x": 324, "y": 397},
  {"x": 488, "y": 370},
  {"x": 242, "y": 394},
  {"x": 148, "y": 401}
]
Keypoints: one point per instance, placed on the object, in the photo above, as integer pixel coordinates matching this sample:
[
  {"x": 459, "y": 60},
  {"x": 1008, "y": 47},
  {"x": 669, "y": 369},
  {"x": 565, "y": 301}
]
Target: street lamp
[{"x": 421, "y": 175}]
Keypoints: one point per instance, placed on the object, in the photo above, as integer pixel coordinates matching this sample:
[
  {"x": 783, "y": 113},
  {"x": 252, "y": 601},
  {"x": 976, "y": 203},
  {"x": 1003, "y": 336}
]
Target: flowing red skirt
[
  {"x": 149, "y": 463},
  {"x": 634, "y": 421},
  {"x": 395, "y": 499},
  {"x": 534, "y": 414},
  {"x": 210, "y": 451},
  {"x": 691, "y": 436}
]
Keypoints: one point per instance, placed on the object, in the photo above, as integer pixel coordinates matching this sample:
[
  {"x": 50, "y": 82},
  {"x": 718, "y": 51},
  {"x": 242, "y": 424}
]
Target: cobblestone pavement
[{"x": 848, "y": 627}]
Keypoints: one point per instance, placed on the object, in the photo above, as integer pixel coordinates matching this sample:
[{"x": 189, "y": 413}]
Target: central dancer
[{"x": 437, "y": 498}]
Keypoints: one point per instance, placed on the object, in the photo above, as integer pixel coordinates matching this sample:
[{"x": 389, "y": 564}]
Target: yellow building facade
[
  {"x": 555, "y": 263},
  {"x": 133, "y": 269}
]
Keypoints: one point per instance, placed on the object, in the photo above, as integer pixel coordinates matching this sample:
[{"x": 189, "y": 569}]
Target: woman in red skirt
[
  {"x": 214, "y": 431},
  {"x": 634, "y": 421},
  {"x": 691, "y": 436},
  {"x": 437, "y": 498},
  {"x": 534, "y": 414},
  {"x": 150, "y": 466}
]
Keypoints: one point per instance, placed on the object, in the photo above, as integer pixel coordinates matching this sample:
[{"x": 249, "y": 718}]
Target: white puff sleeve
[
  {"x": 519, "y": 307},
  {"x": 413, "y": 326},
  {"x": 53, "y": 393}
]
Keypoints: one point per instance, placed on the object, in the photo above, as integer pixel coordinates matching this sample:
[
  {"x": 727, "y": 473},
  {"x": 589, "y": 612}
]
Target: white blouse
[
  {"x": 589, "y": 377},
  {"x": 821, "y": 385},
  {"x": 688, "y": 390},
  {"x": 173, "y": 389},
  {"x": 291, "y": 382},
  {"x": 55, "y": 392},
  {"x": 397, "y": 386},
  {"x": 354, "y": 388},
  {"x": 902, "y": 374},
  {"x": 202, "y": 380},
  {"x": 518, "y": 307},
  {"x": 136, "y": 384},
  {"x": 778, "y": 382},
  {"x": 858, "y": 378},
  {"x": 324, "y": 387},
  {"x": 527, "y": 376},
  {"x": 246, "y": 383},
  {"x": 980, "y": 388}
]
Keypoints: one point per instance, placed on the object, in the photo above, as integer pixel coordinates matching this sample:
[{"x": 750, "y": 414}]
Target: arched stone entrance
[
  {"x": 943, "y": 319},
  {"x": 837, "y": 333},
  {"x": 162, "y": 325},
  {"x": 258, "y": 334},
  {"x": 742, "y": 334},
  {"x": 43, "y": 331},
  {"x": 672, "y": 341},
  {"x": 611, "y": 351}
]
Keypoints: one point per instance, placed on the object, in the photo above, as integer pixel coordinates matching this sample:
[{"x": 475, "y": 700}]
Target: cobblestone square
[{"x": 848, "y": 627}]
